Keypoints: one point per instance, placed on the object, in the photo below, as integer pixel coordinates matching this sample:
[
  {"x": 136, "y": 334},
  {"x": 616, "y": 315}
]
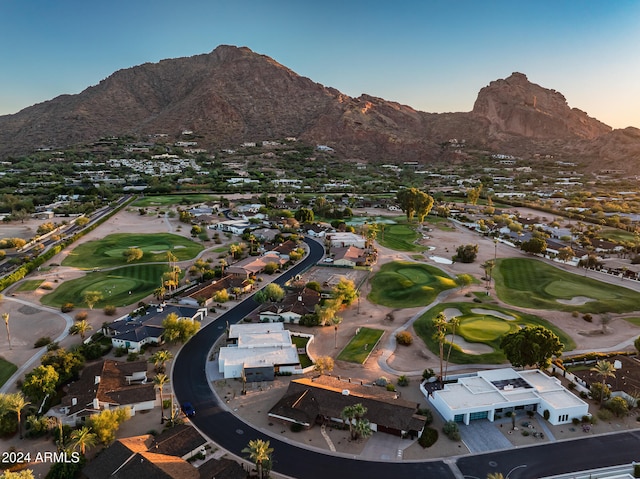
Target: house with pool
[{"x": 484, "y": 394}]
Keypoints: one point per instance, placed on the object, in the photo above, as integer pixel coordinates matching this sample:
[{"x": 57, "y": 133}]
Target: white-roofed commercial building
[{"x": 491, "y": 392}]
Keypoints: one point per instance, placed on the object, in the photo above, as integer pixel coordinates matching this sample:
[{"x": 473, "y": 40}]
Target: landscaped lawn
[
  {"x": 481, "y": 327},
  {"x": 169, "y": 200},
  {"x": 301, "y": 343},
  {"x": 361, "y": 345},
  {"x": 6, "y": 370},
  {"x": 29, "y": 285},
  {"x": 635, "y": 321},
  {"x": 400, "y": 237},
  {"x": 404, "y": 284},
  {"x": 531, "y": 283},
  {"x": 114, "y": 285},
  {"x": 109, "y": 250}
]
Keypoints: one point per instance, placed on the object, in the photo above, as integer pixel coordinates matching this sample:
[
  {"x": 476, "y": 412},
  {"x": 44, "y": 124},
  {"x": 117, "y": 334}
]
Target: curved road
[{"x": 231, "y": 433}]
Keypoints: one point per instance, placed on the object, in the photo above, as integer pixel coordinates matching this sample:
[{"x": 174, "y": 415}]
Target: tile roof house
[
  {"x": 203, "y": 293},
  {"x": 349, "y": 256},
  {"x": 290, "y": 309},
  {"x": 320, "y": 399},
  {"x": 626, "y": 382},
  {"x": 108, "y": 384},
  {"x": 162, "y": 457},
  {"x": 133, "y": 332}
]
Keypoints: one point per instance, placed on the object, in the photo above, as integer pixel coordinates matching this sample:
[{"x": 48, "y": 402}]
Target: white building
[
  {"x": 258, "y": 351},
  {"x": 342, "y": 240},
  {"x": 487, "y": 393}
]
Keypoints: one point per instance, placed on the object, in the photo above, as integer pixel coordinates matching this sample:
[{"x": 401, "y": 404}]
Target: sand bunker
[
  {"x": 490, "y": 312},
  {"x": 576, "y": 300},
  {"x": 452, "y": 313},
  {"x": 438, "y": 259},
  {"x": 469, "y": 348}
]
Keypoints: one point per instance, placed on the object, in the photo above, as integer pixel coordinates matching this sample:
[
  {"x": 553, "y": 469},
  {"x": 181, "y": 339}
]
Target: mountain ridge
[{"x": 233, "y": 94}]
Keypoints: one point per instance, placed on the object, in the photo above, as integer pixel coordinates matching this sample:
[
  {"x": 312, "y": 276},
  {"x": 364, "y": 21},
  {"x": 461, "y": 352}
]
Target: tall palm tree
[
  {"x": 260, "y": 453},
  {"x": 440, "y": 323},
  {"x": 159, "y": 381},
  {"x": 16, "y": 403},
  {"x": 81, "y": 328},
  {"x": 495, "y": 475},
  {"x": 604, "y": 369},
  {"x": 5, "y": 316},
  {"x": 159, "y": 358},
  {"x": 453, "y": 322},
  {"x": 83, "y": 438}
]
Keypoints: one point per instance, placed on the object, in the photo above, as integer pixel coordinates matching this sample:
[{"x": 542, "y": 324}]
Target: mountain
[{"x": 232, "y": 95}]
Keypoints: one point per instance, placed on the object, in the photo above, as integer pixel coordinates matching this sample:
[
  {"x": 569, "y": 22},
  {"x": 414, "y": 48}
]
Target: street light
[{"x": 336, "y": 336}]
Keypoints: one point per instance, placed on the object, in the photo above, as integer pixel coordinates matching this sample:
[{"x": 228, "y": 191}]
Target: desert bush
[
  {"x": 605, "y": 414},
  {"x": 428, "y": 437},
  {"x": 403, "y": 381},
  {"x": 450, "y": 429},
  {"x": 391, "y": 387},
  {"x": 587, "y": 317},
  {"x": 110, "y": 310},
  {"x": 67, "y": 307},
  {"x": 81, "y": 316},
  {"x": 404, "y": 338},
  {"x": 43, "y": 341},
  {"x": 575, "y": 314}
]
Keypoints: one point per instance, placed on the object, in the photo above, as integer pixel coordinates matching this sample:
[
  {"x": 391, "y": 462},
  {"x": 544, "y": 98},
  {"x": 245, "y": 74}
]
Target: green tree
[
  {"x": 534, "y": 246},
  {"x": 81, "y": 328},
  {"x": 353, "y": 415},
  {"x": 565, "y": 254},
  {"x": 23, "y": 474},
  {"x": 16, "y": 403},
  {"x": 159, "y": 381},
  {"x": 414, "y": 203},
  {"x": 604, "y": 369},
  {"x": 82, "y": 220},
  {"x": 324, "y": 364},
  {"x": 304, "y": 215},
  {"x": 132, "y": 254},
  {"x": 618, "y": 406},
  {"x": 259, "y": 452},
  {"x": 531, "y": 346},
  {"x": 66, "y": 363},
  {"x": 440, "y": 325},
  {"x": 83, "y": 438},
  {"x": 270, "y": 293},
  {"x": 106, "y": 423},
  {"x": 91, "y": 298},
  {"x": 466, "y": 253},
  {"x": 473, "y": 194},
  {"x": 600, "y": 392},
  {"x": 159, "y": 359},
  {"x": 179, "y": 330},
  {"x": 40, "y": 382}
]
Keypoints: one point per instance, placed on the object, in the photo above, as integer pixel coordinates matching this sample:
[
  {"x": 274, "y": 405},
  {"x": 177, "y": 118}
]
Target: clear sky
[{"x": 434, "y": 55}]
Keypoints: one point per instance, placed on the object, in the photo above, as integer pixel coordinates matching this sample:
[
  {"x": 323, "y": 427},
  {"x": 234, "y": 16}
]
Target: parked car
[{"x": 187, "y": 409}]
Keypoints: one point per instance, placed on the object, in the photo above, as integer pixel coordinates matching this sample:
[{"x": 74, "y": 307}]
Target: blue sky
[{"x": 432, "y": 55}]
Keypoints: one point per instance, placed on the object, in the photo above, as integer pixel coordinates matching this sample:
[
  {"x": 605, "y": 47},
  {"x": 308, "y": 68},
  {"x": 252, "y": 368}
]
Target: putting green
[
  {"x": 566, "y": 290},
  {"x": 480, "y": 329}
]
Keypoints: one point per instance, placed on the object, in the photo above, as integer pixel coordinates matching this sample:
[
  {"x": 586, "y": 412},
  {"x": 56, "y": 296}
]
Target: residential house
[
  {"x": 342, "y": 240},
  {"x": 248, "y": 267},
  {"x": 108, "y": 384},
  {"x": 258, "y": 352},
  {"x": 322, "y": 399},
  {"x": 133, "y": 332},
  {"x": 293, "y": 307},
  {"x": 349, "y": 256},
  {"x": 490, "y": 392},
  {"x": 626, "y": 382},
  {"x": 202, "y": 294}
]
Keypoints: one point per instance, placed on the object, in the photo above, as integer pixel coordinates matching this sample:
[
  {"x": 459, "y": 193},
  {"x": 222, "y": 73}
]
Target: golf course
[
  {"x": 406, "y": 284},
  {"x": 109, "y": 251}
]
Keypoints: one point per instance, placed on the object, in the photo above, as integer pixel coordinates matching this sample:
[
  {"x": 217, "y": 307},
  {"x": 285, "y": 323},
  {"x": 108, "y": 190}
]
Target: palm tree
[
  {"x": 16, "y": 403},
  {"x": 159, "y": 358},
  {"x": 604, "y": 369},
  {"x": 5, "y": 316},
  {"x": 159, "y": 381},
  {"x": 259, "y": 452},
  {"x": 223, "y": 264},
  {"x": 454, "y": 322},
  {"x": 83, "y": 438},
  {"x": 81, "y": 328},
  {"x": 495, "y": 475},
  {"x": 440, "y": 323},
  {"x": 362, "y": 429}
]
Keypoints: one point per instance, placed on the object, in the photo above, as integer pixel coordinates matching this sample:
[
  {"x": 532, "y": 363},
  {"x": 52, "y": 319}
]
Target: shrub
[
  {"x": 166, "y": 403},
  {"x": 81, "y": 316},
  {"x": 110, "y": 310},
  {"x": 295, "y": 427},
  {"x": 575, "y": 314},
  {"x": 636, "y": 470},
  {"x": 119, "y": 352},
  {"x": 575, "y": 421},
  {"x": 586, "y": 419},
  {"x": 43, "y": 341},
  {"x": 587, "y": 317},
  {"x": 403, "y": 381},
  {"x": 428, "y": 415},
  {"x": 450, "y": 429},
  {"x": 571, "y": 386},
  {"x": 132, "y": 357},
  {"x": 404, "y": 338},
  {"x": 381, "y": 381},
  {"x": 525, "y": 432},
  {"x": 390, "y": 387},
  {"x": 546, "y": 414},
  {"x": 428, "y": 374},
  {"x": 53, "y": 346},
  {"x": 428, "y": 437},
  {"x": 67, "y": 307},
  {"x": 605, "y": 414}
]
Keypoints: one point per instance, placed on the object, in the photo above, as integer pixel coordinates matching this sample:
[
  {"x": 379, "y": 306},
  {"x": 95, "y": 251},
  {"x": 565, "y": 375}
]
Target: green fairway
[
  {"x": 109, "y": 250},
  {"x": 361, "y": 345},
  {"x": 6, "y": 370},
  {"x": 635, "y": 321},
  {"x": 400, "y": 237},
  {"x": 481, "y": 326},
  {"x": 119, "y": 287},
  {"x": 531, "y": 283},
  {"x": 404, "y": 284},
  {"x": 169, "y": 200},
  {"x": 29, "y": 285}
]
